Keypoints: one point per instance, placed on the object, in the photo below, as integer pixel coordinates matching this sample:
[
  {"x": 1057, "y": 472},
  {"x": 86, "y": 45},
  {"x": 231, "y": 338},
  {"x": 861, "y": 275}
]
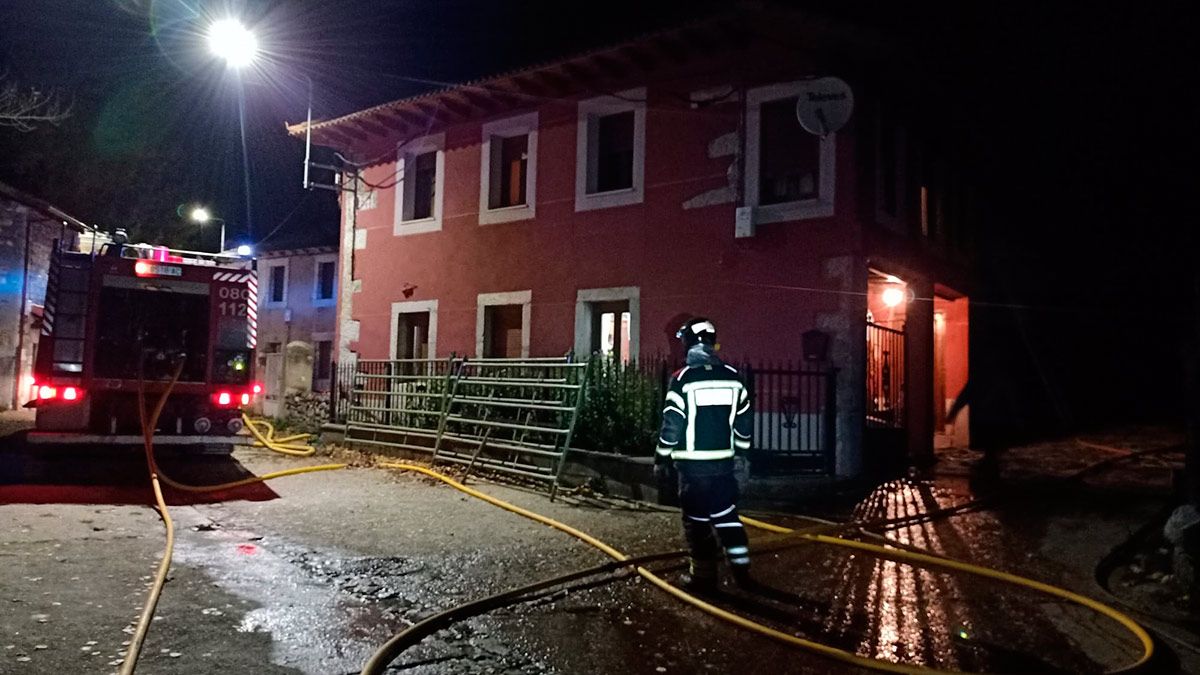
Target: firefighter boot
[
  {"x": 741, "y": 577},
  {"x": 701, "y": 576}
]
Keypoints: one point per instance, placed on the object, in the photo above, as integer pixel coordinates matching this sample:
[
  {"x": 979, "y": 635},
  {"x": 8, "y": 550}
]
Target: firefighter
[{"x": 706, "y": 419}]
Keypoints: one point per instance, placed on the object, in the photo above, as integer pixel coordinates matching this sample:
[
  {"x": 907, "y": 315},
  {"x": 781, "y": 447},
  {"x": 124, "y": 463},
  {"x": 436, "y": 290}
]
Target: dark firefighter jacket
[{"x": 707, "y": 414}]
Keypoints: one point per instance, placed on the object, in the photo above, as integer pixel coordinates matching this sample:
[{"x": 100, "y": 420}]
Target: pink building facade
[{"x": 594, "y": 203}]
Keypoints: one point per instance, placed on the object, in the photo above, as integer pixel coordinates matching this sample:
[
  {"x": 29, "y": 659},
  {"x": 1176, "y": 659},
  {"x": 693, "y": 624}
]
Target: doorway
[{"x": 951, "y": 354}]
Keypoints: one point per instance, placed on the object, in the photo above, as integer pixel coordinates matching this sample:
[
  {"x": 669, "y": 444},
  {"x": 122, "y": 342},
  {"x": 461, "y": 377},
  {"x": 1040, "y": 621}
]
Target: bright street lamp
[
  {"x": 201, "y": 215},
  {"x": 233, "y": 42},
  {"x": 229, "y": 40}
]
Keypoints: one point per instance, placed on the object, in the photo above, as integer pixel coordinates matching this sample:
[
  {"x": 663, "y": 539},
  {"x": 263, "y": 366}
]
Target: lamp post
[
  {"x": 201, "y": 215},
  {"x": 232, "y": 42}
]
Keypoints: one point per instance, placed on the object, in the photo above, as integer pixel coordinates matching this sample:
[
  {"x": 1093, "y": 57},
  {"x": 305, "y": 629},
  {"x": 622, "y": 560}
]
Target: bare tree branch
[{"x": 26, "y": 109}]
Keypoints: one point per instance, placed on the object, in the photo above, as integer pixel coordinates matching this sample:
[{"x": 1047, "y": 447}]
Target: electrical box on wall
[{"x": 743, "y": 222}]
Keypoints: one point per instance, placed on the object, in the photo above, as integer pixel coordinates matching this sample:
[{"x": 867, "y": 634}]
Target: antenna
[{"x": 308, "y": 132}]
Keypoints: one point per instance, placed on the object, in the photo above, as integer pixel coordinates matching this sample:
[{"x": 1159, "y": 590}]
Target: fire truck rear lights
[
  {"x": 47, "y": 392},
  {"x": 257, "y": 388},
  {"x": 245, "y": 399},
  {"x": 224, "y": 398}
]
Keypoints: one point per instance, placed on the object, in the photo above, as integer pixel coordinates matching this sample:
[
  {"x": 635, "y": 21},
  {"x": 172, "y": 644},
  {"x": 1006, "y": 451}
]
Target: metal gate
[
  {"x": 795, "y": 419},
  {"x": 513, "y": 416},
  {"x": 885, "y": 377}
]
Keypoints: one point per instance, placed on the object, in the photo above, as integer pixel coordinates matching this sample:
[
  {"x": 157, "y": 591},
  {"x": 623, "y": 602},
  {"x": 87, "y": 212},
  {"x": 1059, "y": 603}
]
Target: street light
[
  {"x": 233, "y": 42},
  {"x": 201, "y": 215},
  {"x": 229, "y": 40}
]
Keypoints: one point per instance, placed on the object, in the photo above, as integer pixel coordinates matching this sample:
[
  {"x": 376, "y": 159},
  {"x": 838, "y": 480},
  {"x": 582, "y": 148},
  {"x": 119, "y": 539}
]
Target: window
[
  {"x": 414, "y": 329},
  {"x": 606, "y": 322},
  {"x": 502, "y": 325},
  {"x": 789, "y": 172},
  {"x": 611, "y": 150},
  {"x": 508, "y": 170},
  {"x": 614, "y": 153},
  {"x": 277, "y": 279},
  {"x": 789, "y": 160},
  {"x": 502, "y": 332},
  {"x": 610, "y": 330},
  {"x": 323, "y": 361},
  {"x": 424, "y": 185},
  {"x": 421, "y": 168},
  {"x": 325, "y": 283},
  {"x": 412, "y": 335}
]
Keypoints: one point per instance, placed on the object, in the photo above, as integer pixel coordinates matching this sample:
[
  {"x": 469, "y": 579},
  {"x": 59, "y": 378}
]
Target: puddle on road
[{"x": 327, "y": 612}]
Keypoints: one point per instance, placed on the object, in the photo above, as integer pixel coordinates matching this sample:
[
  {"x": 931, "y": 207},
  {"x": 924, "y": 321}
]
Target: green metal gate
[{"x": 512, "y": 416}]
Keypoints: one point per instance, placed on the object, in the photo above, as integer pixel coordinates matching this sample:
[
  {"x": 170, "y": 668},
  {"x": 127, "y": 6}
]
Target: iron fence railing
[{"x": 885, "y": 377}]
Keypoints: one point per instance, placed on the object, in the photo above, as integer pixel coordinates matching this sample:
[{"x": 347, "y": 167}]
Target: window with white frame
[
  {"x": 325, "y": 280},
  {"x": 789, "y": 172},
  {"x": 502, "y": 324},
  {"x": 420, "y": 193},
  {"x": 277, "y": 282},
  {"x": 508, "y": 170},
  {"x": 611, "y": 151},
  {"x": 607, "y": 322},
  {"x": 414, "y": 329}
]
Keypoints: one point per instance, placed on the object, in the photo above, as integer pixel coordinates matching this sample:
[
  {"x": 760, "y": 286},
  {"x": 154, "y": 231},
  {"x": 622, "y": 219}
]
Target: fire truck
[{"x": 123, "y": 316}]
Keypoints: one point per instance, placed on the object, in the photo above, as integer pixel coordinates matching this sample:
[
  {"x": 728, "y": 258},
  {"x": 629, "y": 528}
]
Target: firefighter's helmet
[{"x": 697, "y": 330}]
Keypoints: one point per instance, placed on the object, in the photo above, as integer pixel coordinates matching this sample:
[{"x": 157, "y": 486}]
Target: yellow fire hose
[
  {"x": 810, "y": 645},
  {"x": 263, "y": 432}
]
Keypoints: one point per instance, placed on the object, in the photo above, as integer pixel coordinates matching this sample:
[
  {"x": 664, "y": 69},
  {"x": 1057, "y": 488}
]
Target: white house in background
[{"x": 297, "y": 302}]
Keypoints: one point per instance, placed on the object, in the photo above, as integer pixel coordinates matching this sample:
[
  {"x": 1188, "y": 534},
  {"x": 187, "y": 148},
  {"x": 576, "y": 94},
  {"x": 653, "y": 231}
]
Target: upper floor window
[
  {"x": 508, "y": 170},
  {"x": 277, "y": 279},
  {"x": 790, "y": 173},
  {"x": 325, "y": 282},
  {"x": 611, "y": 151},
  {"x": 420, "y": 193}
]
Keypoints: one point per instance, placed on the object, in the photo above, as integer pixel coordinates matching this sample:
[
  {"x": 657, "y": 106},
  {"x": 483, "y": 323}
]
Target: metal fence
[
  {"x": 795, "y": 410},
  {"x": 795, "y": 418},
  {"x": 514, "y": 416},
  {"x": 885, "y": 377}
]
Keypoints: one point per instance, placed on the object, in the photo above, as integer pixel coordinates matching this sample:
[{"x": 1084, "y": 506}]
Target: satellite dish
[{"x": 824, "y": 105}]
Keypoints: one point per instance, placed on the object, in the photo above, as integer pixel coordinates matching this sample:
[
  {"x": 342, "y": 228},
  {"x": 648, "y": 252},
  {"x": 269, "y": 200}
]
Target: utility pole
[{"x": 1191, "y": 466}]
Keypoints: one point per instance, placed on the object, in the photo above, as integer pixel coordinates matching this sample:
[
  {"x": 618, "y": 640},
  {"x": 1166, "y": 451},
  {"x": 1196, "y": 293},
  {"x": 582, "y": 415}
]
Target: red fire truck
[{"x": 126, "y": 315}]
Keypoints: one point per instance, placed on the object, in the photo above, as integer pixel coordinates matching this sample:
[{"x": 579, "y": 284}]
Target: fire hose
[{"x": 263, "y": 432}]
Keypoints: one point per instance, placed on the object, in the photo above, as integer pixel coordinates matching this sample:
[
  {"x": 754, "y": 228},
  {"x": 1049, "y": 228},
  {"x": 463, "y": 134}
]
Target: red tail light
[
  {"x": 223, "y": 399},
  {"x": 245, "y": 399},
  {"x": 141, "y": 268},
  {"x": 257, "y": 388},
  {"x": 48, "y": 392}
]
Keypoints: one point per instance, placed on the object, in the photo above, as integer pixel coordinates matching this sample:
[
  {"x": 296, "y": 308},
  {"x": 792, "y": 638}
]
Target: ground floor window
[
  {"x": 412, "y": 335},
  {"x": 414, "y": 329},
  {"x": 610, "y": 329},
  {"x": 502, "y": 332},
  {"x": 502, "y": 325},
  {"x": 606, "y": 322}
]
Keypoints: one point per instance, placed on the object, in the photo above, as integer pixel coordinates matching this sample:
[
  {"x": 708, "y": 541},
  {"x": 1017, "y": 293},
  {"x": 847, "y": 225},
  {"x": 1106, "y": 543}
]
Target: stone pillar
[
  {"x": 847, "y": 352},
  {"x": 918, "y": 369}
]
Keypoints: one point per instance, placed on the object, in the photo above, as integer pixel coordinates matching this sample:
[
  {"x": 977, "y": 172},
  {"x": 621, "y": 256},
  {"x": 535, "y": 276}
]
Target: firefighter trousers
[{"x": 708, "y": 498}]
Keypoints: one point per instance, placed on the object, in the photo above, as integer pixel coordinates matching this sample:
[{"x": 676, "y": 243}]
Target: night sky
[{"x": 1079, "y": 122}]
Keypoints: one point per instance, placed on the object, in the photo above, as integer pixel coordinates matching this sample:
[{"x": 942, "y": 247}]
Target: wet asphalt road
[{"x": 311, "y": 574}]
